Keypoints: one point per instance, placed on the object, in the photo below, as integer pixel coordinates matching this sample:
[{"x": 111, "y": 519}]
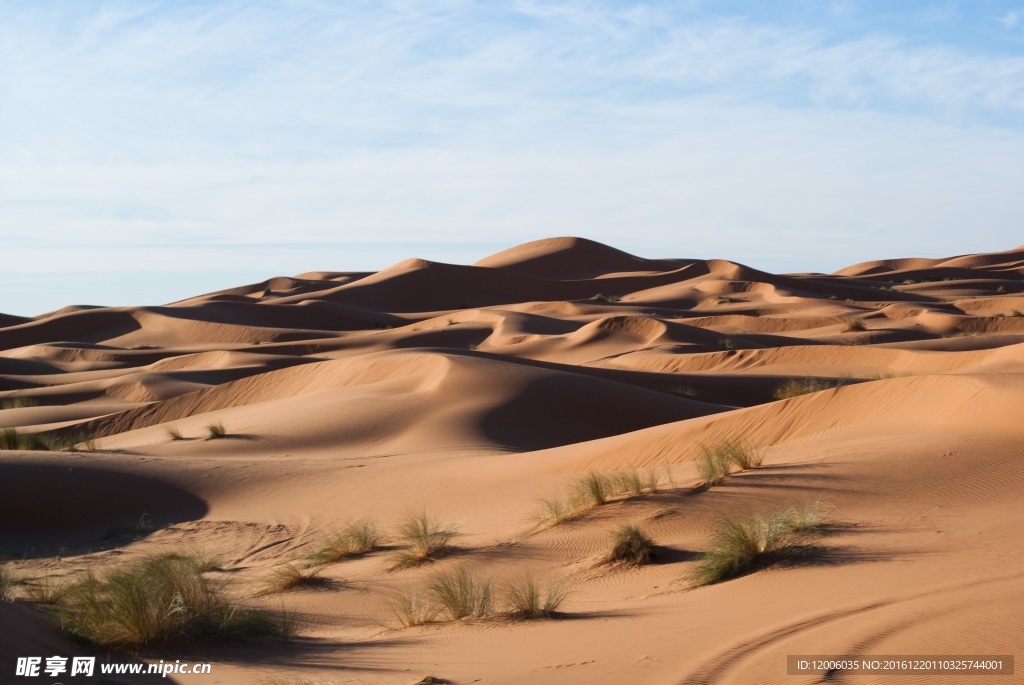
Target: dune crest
[{"x": 538, "y": 406}]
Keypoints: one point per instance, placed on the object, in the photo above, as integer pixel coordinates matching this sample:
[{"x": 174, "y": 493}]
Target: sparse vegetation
[
  {"x": 12, "y": 439},
  {"x": 723, "y": 299},
  {"x": 794, "y": 387},
  {"x": 18, "y": 403},
  {"x": 460, "y": 595},
  {"x": 290, "y": 577},
  {"x": 741, "y": 545},
  {"x": 855, "y": 324},
  {"x": 410, "y": 607},
  {"x": 45, "y": 590},
  {"x": 424, "y": 540},
  {"x": 630, "y": 546},
  {"x": 591, "y": 491},
  {"x": 173, "y": 433},
  {"x": 687, "y": 391},
  {"x": 600, "y": 297},
  {"x": 716, "y": 461},
  {"x": 727, "y": 344},
  {"x": 158, "y": 599},
  {"x": 525, "y": 598},
  {"x": 354, "y": 540},
  {"x": 7, "y": 583},
  {"x": 216, "y": 431}
]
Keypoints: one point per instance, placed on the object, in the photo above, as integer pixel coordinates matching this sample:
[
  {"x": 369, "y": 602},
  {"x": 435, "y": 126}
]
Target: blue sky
[{"x": 154, "y": 150}]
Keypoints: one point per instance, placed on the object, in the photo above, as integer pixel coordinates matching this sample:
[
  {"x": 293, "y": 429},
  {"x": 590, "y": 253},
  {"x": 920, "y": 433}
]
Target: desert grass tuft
[
  {"x": 423, "y": 540},
  {"x": 411, "y": 607},
  {"x": 794, "y": 387},
  {"x": 8, "y": 583},
  {"x": 289, "y": 577},
  {"x": 358, "y": 538},
  {"x": 525, "y": 598},
  {"x": 741, "y": 545},
  {"x": 713, "y": 466},
  {"x": 630, "y": 546},
  {"x": 855, "y": 324},
  {"x": 460, "y": 595},
  {"x": 18, "y": 403},
  {"x": 174, "y": 433},
  {"x": 158, "y": 599},
  {"x": 10, "y": 439},
  {"x": 215, "y": 431},
  {"x": 45, "y": 590}
]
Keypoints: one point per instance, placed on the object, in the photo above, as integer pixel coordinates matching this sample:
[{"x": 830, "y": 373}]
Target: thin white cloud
[
  {"x": 1010, "y": 19},
  {"x": 184, "y": 125}
]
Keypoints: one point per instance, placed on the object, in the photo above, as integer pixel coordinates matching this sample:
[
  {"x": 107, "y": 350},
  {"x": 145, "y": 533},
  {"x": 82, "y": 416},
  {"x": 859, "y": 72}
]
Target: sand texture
[{"x": 889, "y": 395}]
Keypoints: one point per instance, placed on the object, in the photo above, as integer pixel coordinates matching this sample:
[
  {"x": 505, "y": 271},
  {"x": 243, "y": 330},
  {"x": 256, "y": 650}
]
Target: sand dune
[{"x": 888, "y": 393}]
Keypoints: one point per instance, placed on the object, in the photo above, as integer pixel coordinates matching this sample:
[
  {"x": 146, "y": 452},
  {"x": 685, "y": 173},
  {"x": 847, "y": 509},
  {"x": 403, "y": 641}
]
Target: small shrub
[
  {"x": 604, "y": 298},
  {"x": 460, "y": 595},
  {"x": 215, "y": 431},
  {"x": 173, "y": 433},
  {"x": 723, "y": 299},
  {"x": 525, "y": 598},
  {"x": 630, "y": 546},
  {"x": 1001, "y": 290},
  {"x": 356, "y": 539},
  {"x": 158, "y": 599},
  {"x": 745, "y": 544},
  {"x": 290, "y": 577},
  {"x": 687, "y": 391},
  {"x": 1017, "y": 312},
  {"x": 794, "y": 387},
  {"x": 424, "y": 539},
  {"x": 854, "y": 325},
  {"x": 727, "y": 344}
]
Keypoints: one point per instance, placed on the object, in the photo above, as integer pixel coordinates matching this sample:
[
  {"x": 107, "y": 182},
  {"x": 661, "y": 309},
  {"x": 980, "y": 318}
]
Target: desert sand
[{"x": 471, "y": 392}]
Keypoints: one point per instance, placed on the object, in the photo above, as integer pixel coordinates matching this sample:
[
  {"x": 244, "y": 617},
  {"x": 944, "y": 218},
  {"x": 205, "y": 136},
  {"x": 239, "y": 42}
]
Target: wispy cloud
[{"x": 179, "y": 125}]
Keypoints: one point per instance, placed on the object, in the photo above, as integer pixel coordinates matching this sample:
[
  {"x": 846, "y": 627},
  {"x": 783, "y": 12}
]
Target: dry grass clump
[
  {"x": 45, "y": 590},
  {"x": 630, "y": 546},
  {"x": 742, "y": 545},
  {"x": 854, "y": 324},
  {"x": 424, "y": 540},
  {"x": 216, "y": 431},
  {"x": 173, "y": 433},
  {"x": 8, "y": 583},
  {"x": 460, "y": 595},
  {"x": 158, "y": 599},
  {"x": 18, "y": 403},
  {"x": 716, "y": 461},
  {"x": 12, "y": 439},
  {"x": 525, "y": 598},
  {"x": 358, "y": 538},
  {"x": 411, "y": 606},
  {"x": 793, "y": 387},
  {"x": 594, "y": 490},
  {"x": 289, "y": 577}
]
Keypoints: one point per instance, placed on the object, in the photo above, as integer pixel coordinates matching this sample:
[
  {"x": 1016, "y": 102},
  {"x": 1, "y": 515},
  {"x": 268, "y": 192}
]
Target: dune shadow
[{"x": 51, "y": 506}]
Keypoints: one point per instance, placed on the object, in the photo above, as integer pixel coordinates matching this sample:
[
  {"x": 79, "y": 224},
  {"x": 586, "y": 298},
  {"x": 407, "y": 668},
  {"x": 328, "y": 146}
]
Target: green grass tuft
[
  {"x": 411, "y": 607},
  {"x": 158, "y": 599},
  {"x": 742, "y": 545},
  {"x": 424, "y": 540},
  {"x": 215, "y": 431},
  {"x": 354, "y": 540},
  {"x": 525, "y": 598},
  {"x": 460, "y": 595}
]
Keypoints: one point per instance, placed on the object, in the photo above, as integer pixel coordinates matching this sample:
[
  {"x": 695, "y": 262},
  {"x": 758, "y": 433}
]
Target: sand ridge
[{"x": 889, "y": 392}]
